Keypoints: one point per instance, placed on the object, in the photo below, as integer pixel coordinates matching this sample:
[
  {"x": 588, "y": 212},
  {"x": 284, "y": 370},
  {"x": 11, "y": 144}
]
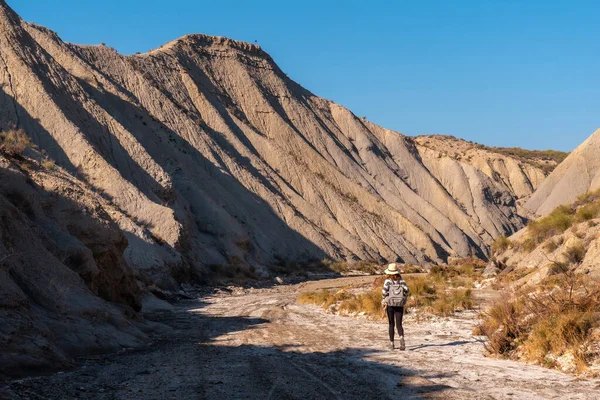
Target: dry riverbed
[{"x": 260, "y": 343}]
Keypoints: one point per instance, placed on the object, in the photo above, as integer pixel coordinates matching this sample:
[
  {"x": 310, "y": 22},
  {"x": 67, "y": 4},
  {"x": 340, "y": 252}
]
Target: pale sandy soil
[{"x": 260, "y": 343}]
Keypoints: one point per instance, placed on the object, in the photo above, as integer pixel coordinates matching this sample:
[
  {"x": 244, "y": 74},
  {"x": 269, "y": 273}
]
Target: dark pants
[{"x": 395, "y": 313}]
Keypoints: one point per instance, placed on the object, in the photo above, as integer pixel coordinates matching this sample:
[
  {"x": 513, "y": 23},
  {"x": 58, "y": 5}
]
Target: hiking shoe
[
  {"x": 392, "y": 347},
  {"x": 402, "y": 344}
]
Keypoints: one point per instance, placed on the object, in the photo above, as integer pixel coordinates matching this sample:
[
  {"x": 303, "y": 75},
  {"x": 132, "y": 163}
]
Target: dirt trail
[{"x": 260, "y": 343}]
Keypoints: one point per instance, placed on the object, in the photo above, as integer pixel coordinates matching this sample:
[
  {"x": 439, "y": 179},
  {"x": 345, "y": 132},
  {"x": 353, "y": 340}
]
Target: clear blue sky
[{"x": 500, "y": 72}]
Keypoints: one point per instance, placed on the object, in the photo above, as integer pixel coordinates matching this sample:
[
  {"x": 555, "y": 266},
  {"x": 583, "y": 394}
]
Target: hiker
[{"x": 394, "y": 293}]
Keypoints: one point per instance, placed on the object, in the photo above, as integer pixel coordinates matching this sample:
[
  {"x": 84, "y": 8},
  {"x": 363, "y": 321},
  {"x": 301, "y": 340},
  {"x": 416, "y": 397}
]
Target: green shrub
[
  {"x": 557, "y": 222},
  {"x": 588, "y": 212}
]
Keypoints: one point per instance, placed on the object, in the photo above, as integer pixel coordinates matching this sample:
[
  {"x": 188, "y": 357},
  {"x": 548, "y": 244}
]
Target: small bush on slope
[
  {"x": 48, "y": 164},
  {"x": 14, "y": 142},
  {"x": 557, "y": 222},
  {"x": 544, "y": 323},
  {"x": 501, "y": 244}
]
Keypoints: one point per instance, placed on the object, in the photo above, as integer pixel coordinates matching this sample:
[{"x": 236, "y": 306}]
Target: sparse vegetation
[
  {"x": 586, "y": 208},
  {"x": 547, "y": 160},
  {"x": 543, "y": 324},
  {"x": 14, "y": 142},
  {"x": 556, "y": 318},
  {"x": 501, "y": 244},
  {"x": 443, "y": 291},
  {"x": 48, "y": 164}
]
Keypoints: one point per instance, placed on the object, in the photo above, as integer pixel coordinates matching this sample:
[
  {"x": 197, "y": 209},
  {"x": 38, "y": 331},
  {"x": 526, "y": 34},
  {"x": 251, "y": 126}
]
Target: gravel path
[{"x": 262, "y": 344}]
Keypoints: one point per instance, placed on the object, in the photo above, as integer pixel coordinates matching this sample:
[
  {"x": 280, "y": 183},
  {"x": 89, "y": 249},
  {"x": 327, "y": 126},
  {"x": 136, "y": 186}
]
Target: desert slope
[
  {"x": 216, "y": 157},
  {"x": 200, "y": 156},
  {"x": 65, "y": 289},
  {"x": 576, "y": 175}
]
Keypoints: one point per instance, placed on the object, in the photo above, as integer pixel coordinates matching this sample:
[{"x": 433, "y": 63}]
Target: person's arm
[
  {"x": 386, "y": 289},
  {"x": 405, "y": 287}
]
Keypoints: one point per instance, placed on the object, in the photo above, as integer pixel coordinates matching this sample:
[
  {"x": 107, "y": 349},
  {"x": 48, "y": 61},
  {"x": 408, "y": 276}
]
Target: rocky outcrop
[
  {"x": 65, "y": 289},
  {"x": 575, "y": 176}
]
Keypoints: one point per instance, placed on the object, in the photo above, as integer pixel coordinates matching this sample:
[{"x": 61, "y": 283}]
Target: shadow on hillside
[
  {"x": 87, "y": 242},
  {"x": 197, "y": 178},
  {"x": 204, "y": 189},
  {"x": 20, "y": 118},
  {"x": 200, "y": 359}
]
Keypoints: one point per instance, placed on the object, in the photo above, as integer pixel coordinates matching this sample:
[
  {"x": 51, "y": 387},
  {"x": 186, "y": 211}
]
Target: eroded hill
[
  {"x": 200, "y": 156},
  {"x": 207, "y": 146}
]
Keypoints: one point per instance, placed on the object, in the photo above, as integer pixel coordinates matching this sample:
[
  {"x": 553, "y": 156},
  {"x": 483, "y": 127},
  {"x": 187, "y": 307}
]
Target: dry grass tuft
[
  {"x": 541, "y": 324},
  {"x": 501, "y": 244},
  {"x": 576, "y": 253},
  {"x": 48, "y": 164},
  {"x": 442, "y": 291},
  {"x": 14, "y": 142}
]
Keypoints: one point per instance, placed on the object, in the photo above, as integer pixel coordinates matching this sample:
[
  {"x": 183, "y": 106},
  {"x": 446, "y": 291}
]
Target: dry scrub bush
[
  {"x": 441, "y": 292},
  {"x": 368, "y": 302},
  {"x": 541, "y": 324},
  {"x": 576, "y": 253},
  {"x": 48, "y": 164},
  {"x": 14, "y": 142},
  {"x": 501, "y": 244},
  {"x": 448, "y": 302},
  {"x": 552, "y": 244}
]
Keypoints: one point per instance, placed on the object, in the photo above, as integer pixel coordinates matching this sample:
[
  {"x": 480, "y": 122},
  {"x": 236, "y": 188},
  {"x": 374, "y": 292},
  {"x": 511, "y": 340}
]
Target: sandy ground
[{"x": 262, "y": 344}]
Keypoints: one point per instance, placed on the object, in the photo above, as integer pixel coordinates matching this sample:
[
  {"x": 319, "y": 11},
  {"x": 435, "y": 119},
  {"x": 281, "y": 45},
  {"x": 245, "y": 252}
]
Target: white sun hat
[{"x": 392, "y": 269}]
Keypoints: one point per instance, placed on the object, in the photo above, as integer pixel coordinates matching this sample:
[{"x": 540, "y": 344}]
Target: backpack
[{"x": 396, "y": 295}]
